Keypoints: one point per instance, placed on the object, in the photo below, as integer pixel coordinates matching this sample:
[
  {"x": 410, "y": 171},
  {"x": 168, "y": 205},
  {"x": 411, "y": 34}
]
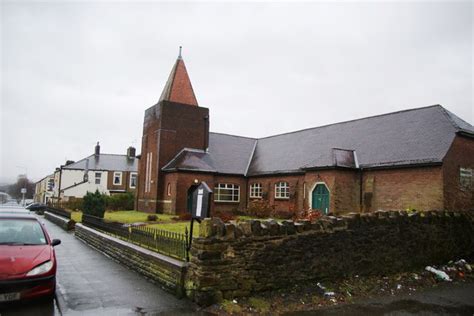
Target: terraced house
[
  {"x": 108, "y": 173},
  {"x": 420, "y": 159}
]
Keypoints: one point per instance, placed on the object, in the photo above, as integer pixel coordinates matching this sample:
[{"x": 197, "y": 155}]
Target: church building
[{"x": 420, "y": 159}]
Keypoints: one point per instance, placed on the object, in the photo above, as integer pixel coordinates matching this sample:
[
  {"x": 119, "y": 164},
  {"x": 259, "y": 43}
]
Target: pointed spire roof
[{"x": 178, "y": 88}]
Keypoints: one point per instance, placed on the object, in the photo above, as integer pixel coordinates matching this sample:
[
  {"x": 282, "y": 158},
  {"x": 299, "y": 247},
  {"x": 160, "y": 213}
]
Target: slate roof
[
  {"x": 416, "y": 136},
  {"x": 109, "y": 162},
  {"x": 226, "y": 154}
]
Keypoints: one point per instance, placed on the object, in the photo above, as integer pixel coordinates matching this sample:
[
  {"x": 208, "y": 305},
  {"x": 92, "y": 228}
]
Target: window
[
  {"x": 465, "y": 177},
  {"x": 282, "y": 190},
  {"x": 50, "y": 184},
  {"x": 98, "y": 175},
  {"x": 117, "y": 178},
  {"x": 226, "y": 192},
  {"x": 168, "y": 189},
  {"x": 133, "y": 180},
  {"x": 256, "y": 190}
]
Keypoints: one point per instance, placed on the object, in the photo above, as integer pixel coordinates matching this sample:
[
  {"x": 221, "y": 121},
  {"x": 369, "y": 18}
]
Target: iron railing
[
  {"x": 58, "y": 211},
  {"x": 168, "y": 243}
]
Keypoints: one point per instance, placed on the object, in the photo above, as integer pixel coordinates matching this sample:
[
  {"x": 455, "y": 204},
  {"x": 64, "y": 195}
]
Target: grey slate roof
[
  {"x": 226, "y": 154},
  {"x": 109, "y": 162},
  {"x": 416, "y": 136}
]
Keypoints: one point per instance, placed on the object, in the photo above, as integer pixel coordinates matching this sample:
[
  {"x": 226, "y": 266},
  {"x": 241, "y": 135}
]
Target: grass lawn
[
  {"x": 164, "y": 221},
  {"x": 133, "y": 216},
  {"x": 76, "y": 216}
]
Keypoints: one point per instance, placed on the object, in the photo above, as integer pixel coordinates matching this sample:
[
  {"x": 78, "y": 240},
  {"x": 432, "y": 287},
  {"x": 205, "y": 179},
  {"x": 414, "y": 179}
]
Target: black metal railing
[
  {"x": 58, "y": 211},
  {"x": 168, "y": 243}
]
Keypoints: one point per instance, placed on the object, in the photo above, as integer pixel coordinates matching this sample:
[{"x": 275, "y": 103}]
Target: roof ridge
[
  {"x": 450, "y": 117},
  {"x": 253, "y": 138},
  {"x": 354, "y": 120}
]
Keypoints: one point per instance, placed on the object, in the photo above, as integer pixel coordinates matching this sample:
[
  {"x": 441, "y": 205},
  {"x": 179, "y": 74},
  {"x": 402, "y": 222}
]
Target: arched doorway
[{"x": 320, "y": 198}]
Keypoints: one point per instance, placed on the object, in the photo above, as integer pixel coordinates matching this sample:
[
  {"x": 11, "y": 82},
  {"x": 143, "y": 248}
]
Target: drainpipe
[
  {"x": 59, "y": 189},
  {"x": 360, "y": 189}
]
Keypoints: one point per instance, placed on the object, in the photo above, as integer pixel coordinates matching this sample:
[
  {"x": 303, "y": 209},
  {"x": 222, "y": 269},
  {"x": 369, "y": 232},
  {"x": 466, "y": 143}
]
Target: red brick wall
[
  {"x": 125, "y": 185},
  {"x": 168, "y": 128},
  {"x": 343, "y": 186},
  {"x": 418, "y": 188},
  {"x": 461, "y": 154}
]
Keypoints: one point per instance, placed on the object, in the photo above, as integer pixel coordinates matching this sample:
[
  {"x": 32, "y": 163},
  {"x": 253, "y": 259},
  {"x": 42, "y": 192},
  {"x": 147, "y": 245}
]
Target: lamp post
[{"x": 23, "y": 190}]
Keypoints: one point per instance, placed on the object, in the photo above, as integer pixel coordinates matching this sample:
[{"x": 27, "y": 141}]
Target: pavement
[{"x": 90, "y": 283}]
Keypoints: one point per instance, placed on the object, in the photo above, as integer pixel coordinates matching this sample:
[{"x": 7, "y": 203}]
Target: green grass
[
  {"x": 76, "y": 216},
  {"x": 259, "y": 304},
  {"x": 134, "y": 216}
]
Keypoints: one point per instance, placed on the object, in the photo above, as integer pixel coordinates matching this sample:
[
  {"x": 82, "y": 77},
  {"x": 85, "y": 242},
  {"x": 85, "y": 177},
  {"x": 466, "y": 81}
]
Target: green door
[{"x": 321, "y": 198}]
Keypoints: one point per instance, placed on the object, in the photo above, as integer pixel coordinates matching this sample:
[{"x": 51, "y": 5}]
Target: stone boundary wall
[
  {"x": 159, "y": 268},
  {"x": 63, "y": 222},
  {"x": 232, "y": 260}
]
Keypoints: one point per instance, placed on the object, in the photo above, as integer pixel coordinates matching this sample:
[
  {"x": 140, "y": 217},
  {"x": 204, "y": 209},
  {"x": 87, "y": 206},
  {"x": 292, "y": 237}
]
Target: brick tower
[{"x": 174, "y": 123}]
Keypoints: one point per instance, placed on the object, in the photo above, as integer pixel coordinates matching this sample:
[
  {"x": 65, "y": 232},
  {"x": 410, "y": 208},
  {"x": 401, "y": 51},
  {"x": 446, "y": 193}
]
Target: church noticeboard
[{"x": 201, "y": 201}]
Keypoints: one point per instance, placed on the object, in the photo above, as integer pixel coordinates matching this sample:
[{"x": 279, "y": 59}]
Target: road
[{"x": 89, "y": 283}]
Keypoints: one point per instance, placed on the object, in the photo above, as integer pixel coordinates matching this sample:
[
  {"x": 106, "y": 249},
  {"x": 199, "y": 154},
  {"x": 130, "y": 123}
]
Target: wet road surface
[{"x": 89, "y": 283}]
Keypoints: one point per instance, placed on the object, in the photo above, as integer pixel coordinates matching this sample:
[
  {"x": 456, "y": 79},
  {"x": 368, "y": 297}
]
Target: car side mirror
[{"x": 55, "y": 242}]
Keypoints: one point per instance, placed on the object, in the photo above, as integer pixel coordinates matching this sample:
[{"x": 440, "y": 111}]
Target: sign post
[
  {"x": 200, "y": 209},
  {"x": 23, "y": 192}
]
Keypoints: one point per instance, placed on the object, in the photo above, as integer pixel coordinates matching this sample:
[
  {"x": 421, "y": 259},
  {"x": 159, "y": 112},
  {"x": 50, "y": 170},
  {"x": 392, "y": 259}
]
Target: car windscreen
[{"x": 21, "y": 232}]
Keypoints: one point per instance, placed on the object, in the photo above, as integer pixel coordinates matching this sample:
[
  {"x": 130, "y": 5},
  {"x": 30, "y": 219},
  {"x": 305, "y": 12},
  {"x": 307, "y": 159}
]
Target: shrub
[
  {"x": 225, "y": 216},
  {"x": 184, "y": 217},
  {"x": 122, "y": 201},
  {"x": 260, "y": 208},
  {"x": 152, "y": 218},
  {"x": 94, "y": 204},
  {"x": 281, "y": 214},
  {"x": 73, "y": 204}
]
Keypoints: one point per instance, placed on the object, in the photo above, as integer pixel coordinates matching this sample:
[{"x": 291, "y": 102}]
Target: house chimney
[
  {"x": 97, "y": 149},
  {"x": 131, "y": 151}
]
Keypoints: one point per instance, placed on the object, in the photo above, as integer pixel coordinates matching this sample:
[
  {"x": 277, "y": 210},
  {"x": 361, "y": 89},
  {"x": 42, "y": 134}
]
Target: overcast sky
[{"x": 74, "y": 73}]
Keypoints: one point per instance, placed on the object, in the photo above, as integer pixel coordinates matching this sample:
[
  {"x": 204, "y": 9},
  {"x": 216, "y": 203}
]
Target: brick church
[{"x": 420, "y": 159}]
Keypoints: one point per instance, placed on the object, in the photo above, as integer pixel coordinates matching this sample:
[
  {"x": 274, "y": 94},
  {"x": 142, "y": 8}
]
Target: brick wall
[
  {"x": 230, "y": 260},
  {"x": 168, "y": 128},
  {"x": 418, "y": 188},
  {"x": 159, "y": 268},
  {"x": 461, "y": 154}
]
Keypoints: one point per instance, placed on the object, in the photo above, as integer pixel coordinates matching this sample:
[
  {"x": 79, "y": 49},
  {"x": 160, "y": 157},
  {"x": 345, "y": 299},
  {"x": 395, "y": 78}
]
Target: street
[{"x": 89, "y": 283}]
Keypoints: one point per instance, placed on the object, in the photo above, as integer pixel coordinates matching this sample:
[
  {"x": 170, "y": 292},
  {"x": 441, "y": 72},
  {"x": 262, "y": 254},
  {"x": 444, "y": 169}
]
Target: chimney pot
[
  {"x": 131, "y": 151},
  {"x": 97, "y": 149}
]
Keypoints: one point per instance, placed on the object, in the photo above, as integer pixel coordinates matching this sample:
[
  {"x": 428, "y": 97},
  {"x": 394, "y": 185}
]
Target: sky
[{"x": 74, "y": 73}]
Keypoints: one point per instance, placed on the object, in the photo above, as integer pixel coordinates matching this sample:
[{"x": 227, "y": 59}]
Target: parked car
[
  {"x": 27, "y": 258},
  {"x": 36, "y": 207}
]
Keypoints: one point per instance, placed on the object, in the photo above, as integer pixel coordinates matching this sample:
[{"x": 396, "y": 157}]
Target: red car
[{"x": 27, "y": 258}]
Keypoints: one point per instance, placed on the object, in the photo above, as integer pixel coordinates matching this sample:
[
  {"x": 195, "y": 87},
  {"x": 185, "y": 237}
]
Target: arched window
[{"x": 168, "y": 189}]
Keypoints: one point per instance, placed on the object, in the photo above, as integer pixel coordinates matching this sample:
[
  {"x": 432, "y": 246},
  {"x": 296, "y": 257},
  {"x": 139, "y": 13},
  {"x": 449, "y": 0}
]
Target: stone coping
[{"x": 155, "y": 255}]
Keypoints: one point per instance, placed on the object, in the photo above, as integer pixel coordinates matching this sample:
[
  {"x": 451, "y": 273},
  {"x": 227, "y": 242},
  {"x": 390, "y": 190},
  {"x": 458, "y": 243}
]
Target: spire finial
[{"x": 180, "y": 48}]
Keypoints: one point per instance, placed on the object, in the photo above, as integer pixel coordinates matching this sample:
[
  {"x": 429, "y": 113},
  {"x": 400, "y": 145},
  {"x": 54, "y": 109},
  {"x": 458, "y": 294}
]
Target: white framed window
[
  {"x": 117, "y": 178},
  {"x": 133, "y": 180},
  {"x": 256, "y": 190},
  {"x": 98, "y": 176},
  {"x": 225, "y": 192},
  {"x": 168, "y": 189},
  {"x": 282, "y": 190},
  {"x": 465, "y": 177}
]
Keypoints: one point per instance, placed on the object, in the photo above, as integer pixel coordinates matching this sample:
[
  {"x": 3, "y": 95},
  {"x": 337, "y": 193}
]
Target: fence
[
  {"x": 58, "y": 211},
  {"x": 162, "y": 241}
]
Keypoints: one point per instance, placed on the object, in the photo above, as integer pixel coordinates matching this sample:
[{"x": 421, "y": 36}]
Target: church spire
[{"x": 178, "y": 88}]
